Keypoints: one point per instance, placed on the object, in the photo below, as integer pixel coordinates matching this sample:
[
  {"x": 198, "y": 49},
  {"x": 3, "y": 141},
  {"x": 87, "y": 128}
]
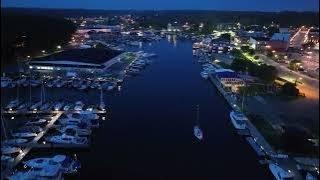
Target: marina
[{"x": 120, "y": 138}]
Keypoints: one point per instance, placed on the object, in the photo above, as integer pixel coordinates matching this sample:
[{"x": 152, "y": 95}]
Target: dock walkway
[{"x": 25, "y": 151}]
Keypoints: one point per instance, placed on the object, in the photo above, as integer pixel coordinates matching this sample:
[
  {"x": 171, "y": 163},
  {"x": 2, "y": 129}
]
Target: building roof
[
  {"x": 90, "y": 56},
  {"x": 226, "y": 74},
  {"x": 280, "y": 37}
]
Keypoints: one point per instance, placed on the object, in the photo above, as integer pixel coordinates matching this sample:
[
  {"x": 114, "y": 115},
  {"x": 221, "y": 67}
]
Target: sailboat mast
[
  {"x": 197, "y": 113},
  {"x": 101, "y": 97},
  {"x": 4, "y": 128}
]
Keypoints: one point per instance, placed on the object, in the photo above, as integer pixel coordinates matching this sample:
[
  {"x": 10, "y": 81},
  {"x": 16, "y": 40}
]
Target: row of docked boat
[
  {"x": 16, "y": 105},
  {"x": 81, "y": 84},
  {"x": 135, "y": 67},
  {"x": 7, "y": 82}
]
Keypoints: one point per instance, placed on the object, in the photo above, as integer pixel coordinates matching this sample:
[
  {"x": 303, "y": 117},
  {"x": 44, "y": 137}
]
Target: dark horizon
[{"x": 217, "y": 5}]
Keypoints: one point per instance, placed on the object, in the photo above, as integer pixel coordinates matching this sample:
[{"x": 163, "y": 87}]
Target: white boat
[
  {"x": 15, "y": 141},
  {"x": 75, "y": 128},
  {"x": 67, "y": 107},
  {"x": 279, "y": 173},
  {"x": 10, "y": 150},
  {"x": 38, "y": 122},
  {"x": 6, "y": 159},
  {"x": 24, "y": 135},
  {"x": 67, "y": 139},
  {"x": 197, "y": 132},
  {"x": 204, "y": 74},
  {"x": 52, "y": 172},
  {"x": 66, "y": 163},
  {"x": 196, "y": 129},
  {"x": 78, "y": 106},
  {"x": 238, "y": 119}
]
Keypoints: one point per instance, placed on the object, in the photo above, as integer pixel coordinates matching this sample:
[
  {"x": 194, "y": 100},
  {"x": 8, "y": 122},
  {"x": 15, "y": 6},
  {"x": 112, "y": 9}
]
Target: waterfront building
[
  {"x": 91, "y": 60},
  {"x": 229, "y": 79}
]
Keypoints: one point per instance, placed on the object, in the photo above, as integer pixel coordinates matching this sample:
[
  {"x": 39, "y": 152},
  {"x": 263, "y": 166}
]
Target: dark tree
[{"x": 290, "y": 89}]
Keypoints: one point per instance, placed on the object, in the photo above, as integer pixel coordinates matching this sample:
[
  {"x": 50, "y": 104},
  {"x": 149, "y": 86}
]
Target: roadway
[{"x": 309, "y": 86}]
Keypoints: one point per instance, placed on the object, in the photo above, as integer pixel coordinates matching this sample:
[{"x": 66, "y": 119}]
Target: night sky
[{"x": 242, "y": 5}]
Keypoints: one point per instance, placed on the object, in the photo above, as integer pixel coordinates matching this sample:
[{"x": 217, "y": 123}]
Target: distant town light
[
  {"x": 43, "y": 51},
  {"x": 273, "y": 51},
  {"x": 58, "y": 47},
  {"x": 28, "y": 56}
]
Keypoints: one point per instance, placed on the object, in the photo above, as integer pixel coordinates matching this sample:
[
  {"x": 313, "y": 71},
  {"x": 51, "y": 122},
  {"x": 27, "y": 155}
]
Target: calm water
[{"x": 149, "y": 134}]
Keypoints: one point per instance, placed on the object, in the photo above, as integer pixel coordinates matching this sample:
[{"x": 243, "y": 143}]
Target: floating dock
[{"x": 25, "y": 151}]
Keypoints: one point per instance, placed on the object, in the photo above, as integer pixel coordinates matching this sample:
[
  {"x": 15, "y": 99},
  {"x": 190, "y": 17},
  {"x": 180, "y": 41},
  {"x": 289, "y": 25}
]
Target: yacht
[
  {"x": 37, "y": 122},
  {"x": 238, "y": 119},
  {"x": 66, "y": 163},
  {"x": 279, "y": 173},
  {"x": 197, "y": 132},
  {"x": 24, "y": 134},
  {"x": 75, "y": 128},
  {"x": 78, "y": 106},
  {"x": 15, "y": 141},
  {"x": 10, "y": 150},
  {"x": 67, "y": 139},
  {"x": 67, "y": 107}
]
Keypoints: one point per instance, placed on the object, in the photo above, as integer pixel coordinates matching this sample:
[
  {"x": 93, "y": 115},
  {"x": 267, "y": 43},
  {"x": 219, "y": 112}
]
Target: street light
[
  {"x": 58, "y": 47},
  {"x": 43, "y": 51}
]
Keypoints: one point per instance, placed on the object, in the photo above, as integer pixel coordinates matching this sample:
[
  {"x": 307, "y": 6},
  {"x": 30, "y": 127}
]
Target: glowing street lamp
[
  {"x": 43, "y": 51},
  {"x": 58, "y": 47}
]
